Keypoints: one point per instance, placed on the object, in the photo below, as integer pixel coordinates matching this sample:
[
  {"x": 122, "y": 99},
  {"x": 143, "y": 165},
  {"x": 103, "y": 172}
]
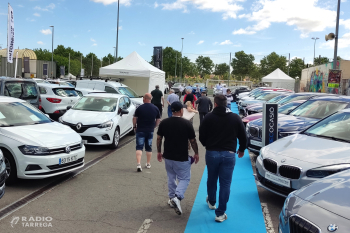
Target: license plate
[
  {"x": 277, "y": 179},
  {"x": 256, "y": 143},
  {"x": 68, "y": 159},
  {"x": 85, "y": 141}
]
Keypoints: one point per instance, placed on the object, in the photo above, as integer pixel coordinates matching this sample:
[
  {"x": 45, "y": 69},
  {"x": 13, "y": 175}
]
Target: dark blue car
[
  {"x": 201, "y": 86},
  {"x": 299, "y": 119}
]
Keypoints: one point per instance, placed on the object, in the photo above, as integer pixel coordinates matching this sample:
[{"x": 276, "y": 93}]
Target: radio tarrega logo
[
  {"x": 14, "y": 220},
  {"x": 271, "y": 124},
  {"x": 36, "y": 221}
]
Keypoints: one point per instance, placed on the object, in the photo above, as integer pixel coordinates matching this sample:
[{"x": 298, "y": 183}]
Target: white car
[
  {"x": 56, "y": 98},
  {"x": 3, "y": 175},
  {"x": 34, "y": 146},
  {"x": 101, "y": 119}
]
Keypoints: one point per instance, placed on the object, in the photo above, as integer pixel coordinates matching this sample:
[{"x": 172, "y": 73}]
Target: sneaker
[
  {"x": 212, "y": 207},
  {"x": 148, "y": 165},
  {"x": 177, "y": 205},
  {"x": 169, "y": 203},
  {"x": 139, "y": 168},
  {"x": 221, "y": 218}
]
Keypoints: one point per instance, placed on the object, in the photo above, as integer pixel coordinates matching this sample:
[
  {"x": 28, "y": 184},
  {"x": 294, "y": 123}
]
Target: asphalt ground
[{"x": 111, "y": 196}]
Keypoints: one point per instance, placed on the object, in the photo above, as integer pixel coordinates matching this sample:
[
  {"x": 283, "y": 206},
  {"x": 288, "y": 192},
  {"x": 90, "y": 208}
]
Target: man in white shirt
[
  {"x": 224, "y": 89},
  {"x": 181, "y": 89}
]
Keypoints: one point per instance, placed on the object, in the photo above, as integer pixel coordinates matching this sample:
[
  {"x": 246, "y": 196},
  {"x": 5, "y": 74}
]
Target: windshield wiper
[{"x": 332, "y": 138}]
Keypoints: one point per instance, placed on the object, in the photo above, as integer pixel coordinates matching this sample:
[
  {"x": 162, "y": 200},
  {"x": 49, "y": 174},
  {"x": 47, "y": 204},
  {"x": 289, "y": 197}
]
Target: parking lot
[{"x": 108, "y": 195}]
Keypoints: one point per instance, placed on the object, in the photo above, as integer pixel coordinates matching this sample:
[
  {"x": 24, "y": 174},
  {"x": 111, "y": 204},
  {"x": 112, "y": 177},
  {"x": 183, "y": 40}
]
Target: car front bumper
[{"x": 97, "y": 136}]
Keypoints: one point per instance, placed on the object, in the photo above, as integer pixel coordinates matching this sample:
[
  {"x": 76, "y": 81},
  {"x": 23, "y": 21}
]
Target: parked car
[
  {"x": 56, "y": 98},
  {"x": 201, "y": 86},
  {"x": 250, "y": 93},
  {"x": 38, "y": 80},
  {"x": 298, "y": 160},
  {"x": 60, "y": 82},
  {"x": 25, "y": 89},
  {"x": 176, "y": 86},
  {"x": 3, "y": 174},
  {"x": 101, "y": 118},
  {"x": 322, "y": 206},
  {"x": 299, "y": 119},
  {"x": 263, "y": 98},
  {"x": 33, "y": 145},
  {"x": 251, "y": 108},
  {"x": 237, "y": 90},
  {"x": 73, "y": 82}
]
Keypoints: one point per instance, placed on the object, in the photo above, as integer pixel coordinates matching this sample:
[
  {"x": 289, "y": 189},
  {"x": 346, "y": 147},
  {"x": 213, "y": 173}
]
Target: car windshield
[
  {"x": 22, "y": 90},
  {"x": 96, "y": 104},
  {"x": 335, "y": 127},
  {"x": 129, "y": 92},
  {"x": 65, "y": 92},
  {"x": 318, "y": 109},
  {"x": 293, "y": 98},
  {"x": 276, "y": 99},
  {"x": 199, "y": 85},
  {"x": 285, "y": 109},
  {"x": 267, "y": 96},
  {"x": 176, "y": 85},
  {"x": 17, "y": 114}
]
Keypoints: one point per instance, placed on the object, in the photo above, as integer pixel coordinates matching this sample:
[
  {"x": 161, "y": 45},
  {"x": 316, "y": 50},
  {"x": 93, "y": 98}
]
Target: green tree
[
  {"x": 109, "y": 59},
  {"x": 295, "y": 67},
  {"x": 221, "y": 69},
  {"x": 242, "y": 64},
  {"x": 204, "y": 65},
  {"x": 87, "y": 63},
  {"x": 271, "y": 62},
  {"x": 44, "y": 55},
  {"x": 321, "y": 60},
  {"x": 255, "y": 74}
]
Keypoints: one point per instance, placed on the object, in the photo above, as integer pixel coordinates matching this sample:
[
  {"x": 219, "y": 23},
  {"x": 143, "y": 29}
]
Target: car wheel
[
  {"x": 11, "y": 168},
  {"x": 116, "y": 139}
]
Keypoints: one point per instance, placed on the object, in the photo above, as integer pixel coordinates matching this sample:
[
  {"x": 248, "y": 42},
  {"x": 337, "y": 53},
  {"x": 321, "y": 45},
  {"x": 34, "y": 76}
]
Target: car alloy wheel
[
  {"x": 116, "y": 139},
  {"x": 8, "y": 167},
  {"x": 11, "y": 169}
]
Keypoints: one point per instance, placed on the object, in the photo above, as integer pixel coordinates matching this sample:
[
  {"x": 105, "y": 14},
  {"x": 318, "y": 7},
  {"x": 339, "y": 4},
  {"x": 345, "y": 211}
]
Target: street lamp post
[
  {"x": 336, "y": 38},
  {"x": 116, "y": 57},
  {"x": 181, "y": 57},
  {"x": 313, "y": 38},
  {"x": 92, "y": 63},
  {"x": 53, "y": 29}
]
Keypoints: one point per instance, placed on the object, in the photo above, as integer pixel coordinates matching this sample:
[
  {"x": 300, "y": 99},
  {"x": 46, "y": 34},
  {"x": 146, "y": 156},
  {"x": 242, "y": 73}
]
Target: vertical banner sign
[
  {"x": 62, "y": 70},
  {"x": 26, "y": 64},
  {"x": 45, "y": 69},
  {"x": 334, "y": 77},
  {"x": 10, "y": 35},
  {"x": 270, "y": 124},
  {"x": 158, "y": 57},
  {"x": 82, "y": 73}
]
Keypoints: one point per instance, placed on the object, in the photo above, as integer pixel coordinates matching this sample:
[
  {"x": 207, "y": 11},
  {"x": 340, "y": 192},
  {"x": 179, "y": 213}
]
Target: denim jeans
[
  {"x": 170, "y": 113},
  {"x": 229, "y": 105},
  {"x": 220, "y": 165},
  {"x": 144, "y": 139},
  {"x": 180, "y": 171}
]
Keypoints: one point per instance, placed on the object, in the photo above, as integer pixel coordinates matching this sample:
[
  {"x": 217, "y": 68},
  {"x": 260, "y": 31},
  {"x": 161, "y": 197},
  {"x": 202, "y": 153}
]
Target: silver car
[
  {"x": 3, "y": 174},
  {"x": 300, "y": 159},
  {"x": 322, "y": 206}
]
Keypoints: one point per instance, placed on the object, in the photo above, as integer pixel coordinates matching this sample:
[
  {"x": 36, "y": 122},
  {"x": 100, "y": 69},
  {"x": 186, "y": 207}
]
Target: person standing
[
  {"x": 229, "y": 98},
  {"x": 204, "y": 105},
  {"x": 218, "y": 133},
  {"x": 146, "y": 118},
  {"x": 177, "y": 132},
  {"x": 181, "y": 89},
  {"x": 198, "y": 91},
  {"x": 224, "y": 89},
  {"x": 158, "y": 99},
  {"x": 189, "y": 92},
  {"x": 172, "y": 97}
]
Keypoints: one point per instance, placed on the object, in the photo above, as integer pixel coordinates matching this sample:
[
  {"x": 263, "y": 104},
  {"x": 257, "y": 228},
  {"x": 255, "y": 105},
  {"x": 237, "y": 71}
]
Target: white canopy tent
[
  {"x": 70, "y": 77},
  {"x": 136, "y": 73},
  {"x": 279, "y": 79}
]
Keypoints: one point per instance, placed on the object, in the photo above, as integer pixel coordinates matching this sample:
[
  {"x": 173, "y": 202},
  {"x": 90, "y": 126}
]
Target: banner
[
  {"x": 10, "y": 35},
  {"x": 62, "y": 70},
  {"x": 82, "y": 73},
  {"x": 158, "y": 57},
  {"x": 26, "y": 65},
  {"x": 270, "y": 124}
]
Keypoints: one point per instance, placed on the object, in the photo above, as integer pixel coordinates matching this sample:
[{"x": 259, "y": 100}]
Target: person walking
[
  {"x": 229, "y": 98},
  {"x": 189, "y": 91},
  {"x": 172, "y": 97},
  {"x": 224, "y": 89},
  {"x": 177, "y": 132},
  {"x": 204, "y": 105},
  {"x": 181, "y": 89},
  {"x": 146, "y": 118},
  {"x": 198, "y": 91},
  {"x": 218, "y": 133},
  {"x": 158, "y": 99}
]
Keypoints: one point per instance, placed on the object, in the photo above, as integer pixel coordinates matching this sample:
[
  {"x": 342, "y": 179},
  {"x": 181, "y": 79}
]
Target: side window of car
[
  {"x": 42, "y": 90},
  {"x": 127, "y": 102},
  {"x": 110, "y": 90}
]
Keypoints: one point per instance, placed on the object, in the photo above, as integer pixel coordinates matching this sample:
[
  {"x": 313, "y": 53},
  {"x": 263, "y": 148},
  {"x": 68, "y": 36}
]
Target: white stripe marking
[
  {"x": 145, "y": 225},
  {"x": 267, "y": 218}
]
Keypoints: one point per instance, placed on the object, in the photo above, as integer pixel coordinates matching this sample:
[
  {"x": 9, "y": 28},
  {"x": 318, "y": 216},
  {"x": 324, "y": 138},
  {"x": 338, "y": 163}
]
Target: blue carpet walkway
[{"x": 243, "y": 209}]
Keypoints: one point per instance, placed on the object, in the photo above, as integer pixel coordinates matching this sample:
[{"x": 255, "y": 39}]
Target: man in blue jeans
[
  {"x": 172, "y": 97},
  {"x": 146, "y": 118},
  {"x": 218, "y": 133}
]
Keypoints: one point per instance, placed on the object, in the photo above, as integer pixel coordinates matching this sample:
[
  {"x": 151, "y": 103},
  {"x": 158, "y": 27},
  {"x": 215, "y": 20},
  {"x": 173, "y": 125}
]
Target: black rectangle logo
[{"x": 270, "y": 124}]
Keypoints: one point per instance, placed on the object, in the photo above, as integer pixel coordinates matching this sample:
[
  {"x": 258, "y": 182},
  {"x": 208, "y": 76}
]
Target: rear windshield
[
  {"x": 129, "y": 92},
  {"x": 65, "y": 92},
  {"x": 21, "y": 89},
  {"x": 318, "y": 109},
  {"x": 285, "y": 109}
]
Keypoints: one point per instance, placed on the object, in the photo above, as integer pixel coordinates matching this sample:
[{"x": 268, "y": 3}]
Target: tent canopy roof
[{"x": 277, "y": 76}]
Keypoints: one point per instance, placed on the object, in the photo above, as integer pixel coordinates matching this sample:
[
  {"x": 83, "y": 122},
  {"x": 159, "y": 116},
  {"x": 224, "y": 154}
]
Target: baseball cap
[{"x": 176, "y": 106}]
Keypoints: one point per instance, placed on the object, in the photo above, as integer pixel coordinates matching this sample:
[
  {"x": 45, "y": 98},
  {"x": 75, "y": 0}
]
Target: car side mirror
[
  {"x": 69, "y": 107},
  {"x": 124, "y": 112}
]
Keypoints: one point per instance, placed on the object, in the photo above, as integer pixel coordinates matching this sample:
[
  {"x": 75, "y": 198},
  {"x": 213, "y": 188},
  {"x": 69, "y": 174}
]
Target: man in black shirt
[
  {"x": 158, "y": 99},
  {"x": 218, "y": 133},
  {"x": 177, "y": 132},
  {"x": 204, "y": 105}
]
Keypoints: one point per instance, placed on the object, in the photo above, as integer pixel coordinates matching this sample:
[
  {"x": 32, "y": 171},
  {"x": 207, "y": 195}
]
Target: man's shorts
[{"x": 144, "y": 139}]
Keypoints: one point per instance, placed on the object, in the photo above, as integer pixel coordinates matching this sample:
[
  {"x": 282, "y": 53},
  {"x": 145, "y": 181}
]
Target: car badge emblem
[
  {"x": 79, "y": 126},
  {"x": 283, "y": 160},
  {"x": 332, "y": 228},
  {"x": 68, "y": 149}
]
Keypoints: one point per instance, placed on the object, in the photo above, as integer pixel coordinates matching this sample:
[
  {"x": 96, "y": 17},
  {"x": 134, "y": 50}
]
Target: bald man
[{"x": 146, "y": 118}]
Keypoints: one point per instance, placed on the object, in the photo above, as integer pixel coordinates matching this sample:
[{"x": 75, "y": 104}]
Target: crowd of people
[{"x": 218, "y": 132}]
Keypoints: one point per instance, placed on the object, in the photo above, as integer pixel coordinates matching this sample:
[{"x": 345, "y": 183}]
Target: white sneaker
[
  {"x": 221, "y": 218},
  {"x": 212, "y": 207},
  {"x": 148, "y": 165},
  {"x": 169, "y": 203},
  {"x": 139, "y": 168},
  {"x": 177, "y": 205}
]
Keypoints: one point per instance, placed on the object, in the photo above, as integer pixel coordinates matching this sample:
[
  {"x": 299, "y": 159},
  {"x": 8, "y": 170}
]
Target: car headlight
[
  {"x": 108, "y": 125},
  {"x": 286, "y": 205},
  {"x": 34, "y": 150},
  {"x": 81, "y": 144},
  {"x": 262, "y": 153},
  {"x": 322, "y": 172},
  {"x": 286, "y": 134},
  {"x": 60, "y": 120}
]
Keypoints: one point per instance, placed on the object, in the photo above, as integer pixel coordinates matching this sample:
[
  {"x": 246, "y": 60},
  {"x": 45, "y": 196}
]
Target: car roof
[
  {"x": 106, "y": 95},
  {"x": 113, "y": 83},
  {"x": 345, "y": 110},
  {"x": 16, "y": 79},
  {"x": 53, "y": 85},
  {"x": 338, "y": 98},
  {"x": 6, "y": 99}
]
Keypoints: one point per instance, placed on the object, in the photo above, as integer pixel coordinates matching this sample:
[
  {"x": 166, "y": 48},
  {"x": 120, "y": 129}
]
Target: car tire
[
  {"x": 11, "y": 168},
  {"x": 116, "y": 139}
]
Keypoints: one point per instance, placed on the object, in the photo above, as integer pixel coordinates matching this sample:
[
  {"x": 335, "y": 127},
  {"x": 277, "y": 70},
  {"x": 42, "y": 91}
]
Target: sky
[{"x": 218, "y": 27}]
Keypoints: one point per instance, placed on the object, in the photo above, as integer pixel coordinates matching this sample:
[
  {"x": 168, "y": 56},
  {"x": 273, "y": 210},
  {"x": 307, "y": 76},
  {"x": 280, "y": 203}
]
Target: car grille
[
  {"x": 275, "y": 187},
  {"x": 59, "y": 166},
  {"x": 89, "y": 139},
  {"x": 299, "y": 225},
  {"x": 63, "y": 149},
  {"x": 82, "y": 129},
  {"x": 289, "y": 172},
  {"x": 270, "y": 165}
]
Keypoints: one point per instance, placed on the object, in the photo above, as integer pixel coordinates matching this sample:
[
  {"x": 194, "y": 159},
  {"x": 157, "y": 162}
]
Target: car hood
[
  {"x": 137, "y": 100},
  {"x": 253, "y": 117},
  {"x": 308, "y": 149},
  {"x": 47, "y": 135},
  {"x": 87, "y": 117},
  {"x": 253, "y": 101},
  {"x": 330, "y": 193},
  {"x": 256, "y": 106}
]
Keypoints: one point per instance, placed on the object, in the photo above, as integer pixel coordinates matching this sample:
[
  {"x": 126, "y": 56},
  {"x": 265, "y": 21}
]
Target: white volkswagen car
[
  {"x": 34, "y": 146},
  {"x": 101, "y": 118},
  {"x": 298, "y": 160}
]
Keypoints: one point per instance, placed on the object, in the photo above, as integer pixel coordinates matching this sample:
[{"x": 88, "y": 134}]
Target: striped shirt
[{"x": 172, "y": 98}]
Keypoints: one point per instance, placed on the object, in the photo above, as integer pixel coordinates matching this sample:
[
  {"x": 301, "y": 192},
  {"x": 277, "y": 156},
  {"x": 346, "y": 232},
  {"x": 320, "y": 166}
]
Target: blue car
[
  {"x": 299, "y": 119},
  {"x": 201, "y": 86}
]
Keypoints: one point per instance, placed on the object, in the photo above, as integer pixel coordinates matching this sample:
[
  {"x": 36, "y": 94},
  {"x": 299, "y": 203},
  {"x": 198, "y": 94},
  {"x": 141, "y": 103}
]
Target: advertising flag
[{"x": 10, "y": 35}]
